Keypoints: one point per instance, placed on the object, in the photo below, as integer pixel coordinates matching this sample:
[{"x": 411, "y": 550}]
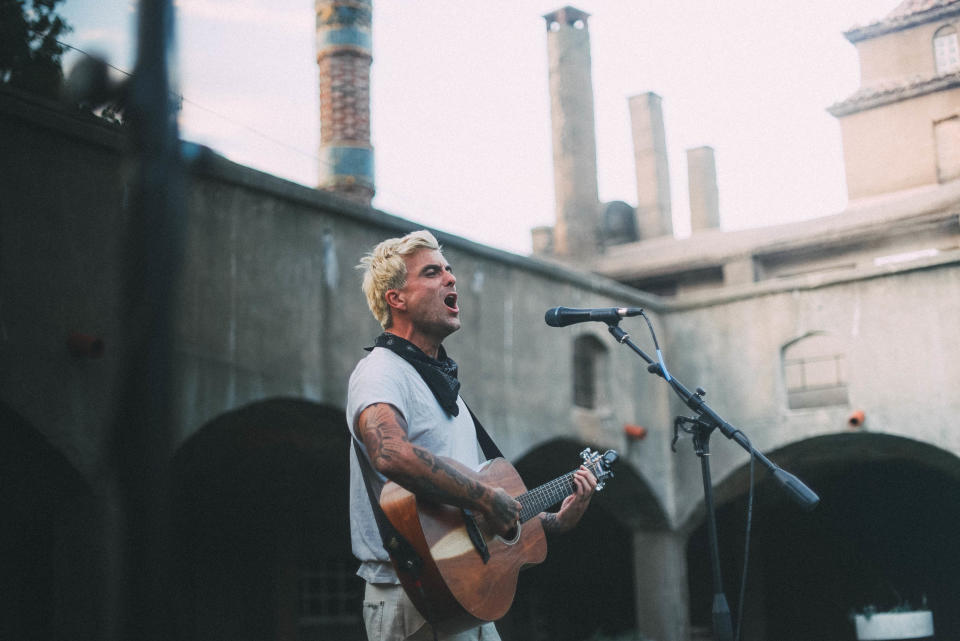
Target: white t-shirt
[{"x": 385, "y": 377}]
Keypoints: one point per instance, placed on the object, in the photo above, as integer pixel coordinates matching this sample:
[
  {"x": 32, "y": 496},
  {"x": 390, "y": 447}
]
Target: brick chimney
[
  {"x": 576, "y": 233},
  {"x": 344, "y": 54},
  {"x": 702, "y": 183},
  {"x": 654, "y": 212}
]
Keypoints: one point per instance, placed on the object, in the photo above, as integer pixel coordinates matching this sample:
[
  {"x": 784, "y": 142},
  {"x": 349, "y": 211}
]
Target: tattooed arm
[
  {"x": 573, "y": 507},
  {"x": 384, "y": 433}
]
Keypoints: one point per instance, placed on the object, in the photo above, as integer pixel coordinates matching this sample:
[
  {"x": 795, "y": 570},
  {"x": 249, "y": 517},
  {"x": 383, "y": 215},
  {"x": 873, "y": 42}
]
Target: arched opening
[
  {"x": 882, "y": 536},
  {"x": 51, "y": 578},
  {"x": 586, "y": 585},
  {"x": 261, "y": 527}
]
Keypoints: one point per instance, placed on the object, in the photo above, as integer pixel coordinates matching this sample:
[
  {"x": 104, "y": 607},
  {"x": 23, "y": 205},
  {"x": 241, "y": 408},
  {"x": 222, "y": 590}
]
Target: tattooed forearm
[
  {"x": 472, "y": 488},
  {"x": 384, "y": 433}
]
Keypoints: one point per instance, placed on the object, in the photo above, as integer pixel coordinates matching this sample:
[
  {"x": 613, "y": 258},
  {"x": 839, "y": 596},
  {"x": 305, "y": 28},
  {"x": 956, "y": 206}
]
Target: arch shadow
[
  {"x": 261, "y": 526},
  {"x": 52, "y": 574},
  {"x": 882, "y": 535}
]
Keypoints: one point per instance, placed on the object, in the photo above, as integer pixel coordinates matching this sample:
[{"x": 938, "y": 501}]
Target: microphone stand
[{"x": 702, "y": 427}]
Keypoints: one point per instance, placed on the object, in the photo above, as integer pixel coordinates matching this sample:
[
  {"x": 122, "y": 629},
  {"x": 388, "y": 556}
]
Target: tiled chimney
[
  {"x": 576, "y": 233},
  {"x": 344, "y": 57},
  {"x": 654, "y": 215},
  {"x": 702, "y": 183}
]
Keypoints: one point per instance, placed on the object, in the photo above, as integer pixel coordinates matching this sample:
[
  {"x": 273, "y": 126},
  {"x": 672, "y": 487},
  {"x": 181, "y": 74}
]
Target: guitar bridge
[{"x": 476, "y": 536}]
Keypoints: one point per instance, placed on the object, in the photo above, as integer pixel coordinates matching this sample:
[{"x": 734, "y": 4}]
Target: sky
[{"x": 460, "y": 106}]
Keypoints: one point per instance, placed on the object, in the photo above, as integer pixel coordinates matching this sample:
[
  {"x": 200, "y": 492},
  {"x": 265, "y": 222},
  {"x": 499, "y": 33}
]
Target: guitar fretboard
[{"x": 547, "y": 495}]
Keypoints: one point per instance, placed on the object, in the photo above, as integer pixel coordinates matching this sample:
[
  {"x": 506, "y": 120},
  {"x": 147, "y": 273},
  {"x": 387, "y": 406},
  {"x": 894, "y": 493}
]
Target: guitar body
[{"x": 459, "y": 590}]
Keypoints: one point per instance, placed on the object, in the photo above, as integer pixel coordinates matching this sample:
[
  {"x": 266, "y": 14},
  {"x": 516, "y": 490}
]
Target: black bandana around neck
[{"x": 439, "y": 374}]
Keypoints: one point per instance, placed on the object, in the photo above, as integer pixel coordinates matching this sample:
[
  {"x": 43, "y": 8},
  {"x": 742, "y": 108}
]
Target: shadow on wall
[
  {"x": 883, "y": 535},
  {"x": 51, "y": 559},
  {"x": 261, "y": 527}
]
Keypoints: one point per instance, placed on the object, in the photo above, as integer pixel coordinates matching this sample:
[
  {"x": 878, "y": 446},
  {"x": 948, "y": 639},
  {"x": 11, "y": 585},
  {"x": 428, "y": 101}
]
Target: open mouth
[{"x": 451, "y": 302}]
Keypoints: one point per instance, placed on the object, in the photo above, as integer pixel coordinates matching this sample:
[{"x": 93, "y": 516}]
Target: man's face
[{"x": 431, "y": 294}]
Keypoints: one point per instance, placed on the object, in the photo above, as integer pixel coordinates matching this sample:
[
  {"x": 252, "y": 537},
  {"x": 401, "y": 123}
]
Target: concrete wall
[{"x": 901, "y": 365}]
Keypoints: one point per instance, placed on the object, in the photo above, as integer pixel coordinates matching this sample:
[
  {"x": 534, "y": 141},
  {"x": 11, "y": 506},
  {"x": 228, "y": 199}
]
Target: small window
[
  {"x": 589, "y": 363},
  {"x": 330, "y": 594},
  {"x": 815, "y": 372},
  {"x": 946, "y": 50}
]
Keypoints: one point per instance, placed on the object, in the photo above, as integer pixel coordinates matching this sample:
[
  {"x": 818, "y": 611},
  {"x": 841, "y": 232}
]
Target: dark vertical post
[{"x": 142, "y": 435}]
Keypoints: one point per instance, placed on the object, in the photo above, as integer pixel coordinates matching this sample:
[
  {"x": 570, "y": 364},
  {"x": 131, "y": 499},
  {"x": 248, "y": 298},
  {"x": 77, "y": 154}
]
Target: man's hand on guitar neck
[
  {"x": 383, "y": 430},
  {"x": 573, "y": 507}
]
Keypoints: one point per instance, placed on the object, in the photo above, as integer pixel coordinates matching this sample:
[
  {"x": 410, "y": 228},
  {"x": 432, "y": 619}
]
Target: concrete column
[
  {"x": 702, "y": 183},
  {"x": 740, "y": 271},
  {"x": 344, "y": 55},
  {"x": 576, "y": 232},
  {"x": 654, "y": 215},
  {"x": 660, "y": 586}
]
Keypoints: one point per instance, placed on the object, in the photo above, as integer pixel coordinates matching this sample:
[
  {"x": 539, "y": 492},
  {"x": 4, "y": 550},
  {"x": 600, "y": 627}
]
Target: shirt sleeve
[{"x": 375, "y": 381}]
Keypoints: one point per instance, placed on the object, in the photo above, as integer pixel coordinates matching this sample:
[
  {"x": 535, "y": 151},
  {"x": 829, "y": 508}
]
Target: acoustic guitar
[{"x": 467, "y": 575}]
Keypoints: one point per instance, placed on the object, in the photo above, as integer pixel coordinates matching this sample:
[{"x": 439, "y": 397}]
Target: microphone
[{"x": 563, "y": 316}]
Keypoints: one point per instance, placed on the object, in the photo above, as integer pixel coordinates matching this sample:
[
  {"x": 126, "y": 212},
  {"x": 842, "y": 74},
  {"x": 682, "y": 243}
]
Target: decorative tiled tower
[
  {"x": 576, "y": 233},
  {"x": 344, "y": 54}
]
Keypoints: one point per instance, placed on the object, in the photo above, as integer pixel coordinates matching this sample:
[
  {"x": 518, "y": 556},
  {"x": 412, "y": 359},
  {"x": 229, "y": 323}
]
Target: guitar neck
[{"x": 547, "y": 495}]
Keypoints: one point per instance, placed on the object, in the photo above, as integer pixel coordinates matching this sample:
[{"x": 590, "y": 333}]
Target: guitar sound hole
[{"x": 511, "y": 537}]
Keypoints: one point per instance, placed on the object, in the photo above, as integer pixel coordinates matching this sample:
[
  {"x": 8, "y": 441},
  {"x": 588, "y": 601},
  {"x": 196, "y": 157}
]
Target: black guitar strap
[
  {"x": 490, "y": 449},
  {"x": 394, "y": 543}
]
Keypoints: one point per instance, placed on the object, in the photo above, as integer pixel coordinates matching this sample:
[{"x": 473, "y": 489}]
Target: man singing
[{"x": 404, "y": 409}]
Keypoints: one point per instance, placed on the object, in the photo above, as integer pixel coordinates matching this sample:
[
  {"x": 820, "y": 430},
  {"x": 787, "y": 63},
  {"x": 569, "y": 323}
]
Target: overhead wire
[{"x": 184, "y": 100}]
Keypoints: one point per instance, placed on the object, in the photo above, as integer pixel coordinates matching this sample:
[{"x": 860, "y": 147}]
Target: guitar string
[{"x": 538, "y": 499}]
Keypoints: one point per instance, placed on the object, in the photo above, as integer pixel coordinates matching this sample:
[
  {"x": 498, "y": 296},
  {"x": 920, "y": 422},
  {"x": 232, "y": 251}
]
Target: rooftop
[
  {"x": 894, "y": 91},
  {"x": 907, "y": 14},
  {"x": 868, "y": 218}
]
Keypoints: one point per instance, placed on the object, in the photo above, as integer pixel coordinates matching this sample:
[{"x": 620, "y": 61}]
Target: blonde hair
[{"x": 384, "y": 269}]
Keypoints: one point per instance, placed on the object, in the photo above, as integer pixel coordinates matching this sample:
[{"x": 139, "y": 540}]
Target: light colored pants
[{"x": 389, "y": 615}]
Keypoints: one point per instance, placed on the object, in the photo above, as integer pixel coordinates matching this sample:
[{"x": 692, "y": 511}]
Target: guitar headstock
[{"x": 600, "y": 465}]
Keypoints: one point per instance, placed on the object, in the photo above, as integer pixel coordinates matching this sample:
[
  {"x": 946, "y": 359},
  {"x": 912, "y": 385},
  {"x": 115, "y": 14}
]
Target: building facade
[{"x": 832, "y": 344}]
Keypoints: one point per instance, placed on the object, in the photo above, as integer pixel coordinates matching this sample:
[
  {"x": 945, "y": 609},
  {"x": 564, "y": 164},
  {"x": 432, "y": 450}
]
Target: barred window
[
  {"x": 330, "y": 594},
  {"x": 815, "y": 371}
]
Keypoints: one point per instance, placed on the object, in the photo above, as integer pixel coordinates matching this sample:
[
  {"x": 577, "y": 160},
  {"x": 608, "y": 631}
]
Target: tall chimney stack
[
  {"x": 654, "y": 214},
  {"x": 702, "y": 183},
  {"x": 576, "y": 233},
  {"x": 344, "y": 54}
]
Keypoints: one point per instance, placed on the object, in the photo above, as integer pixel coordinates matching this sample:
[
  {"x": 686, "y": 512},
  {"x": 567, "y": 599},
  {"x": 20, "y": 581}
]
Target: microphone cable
[
  {"x": 746, "y": 542},
  {"x": 750, "y": 494},
  {"x": 663, "y": 366}
]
